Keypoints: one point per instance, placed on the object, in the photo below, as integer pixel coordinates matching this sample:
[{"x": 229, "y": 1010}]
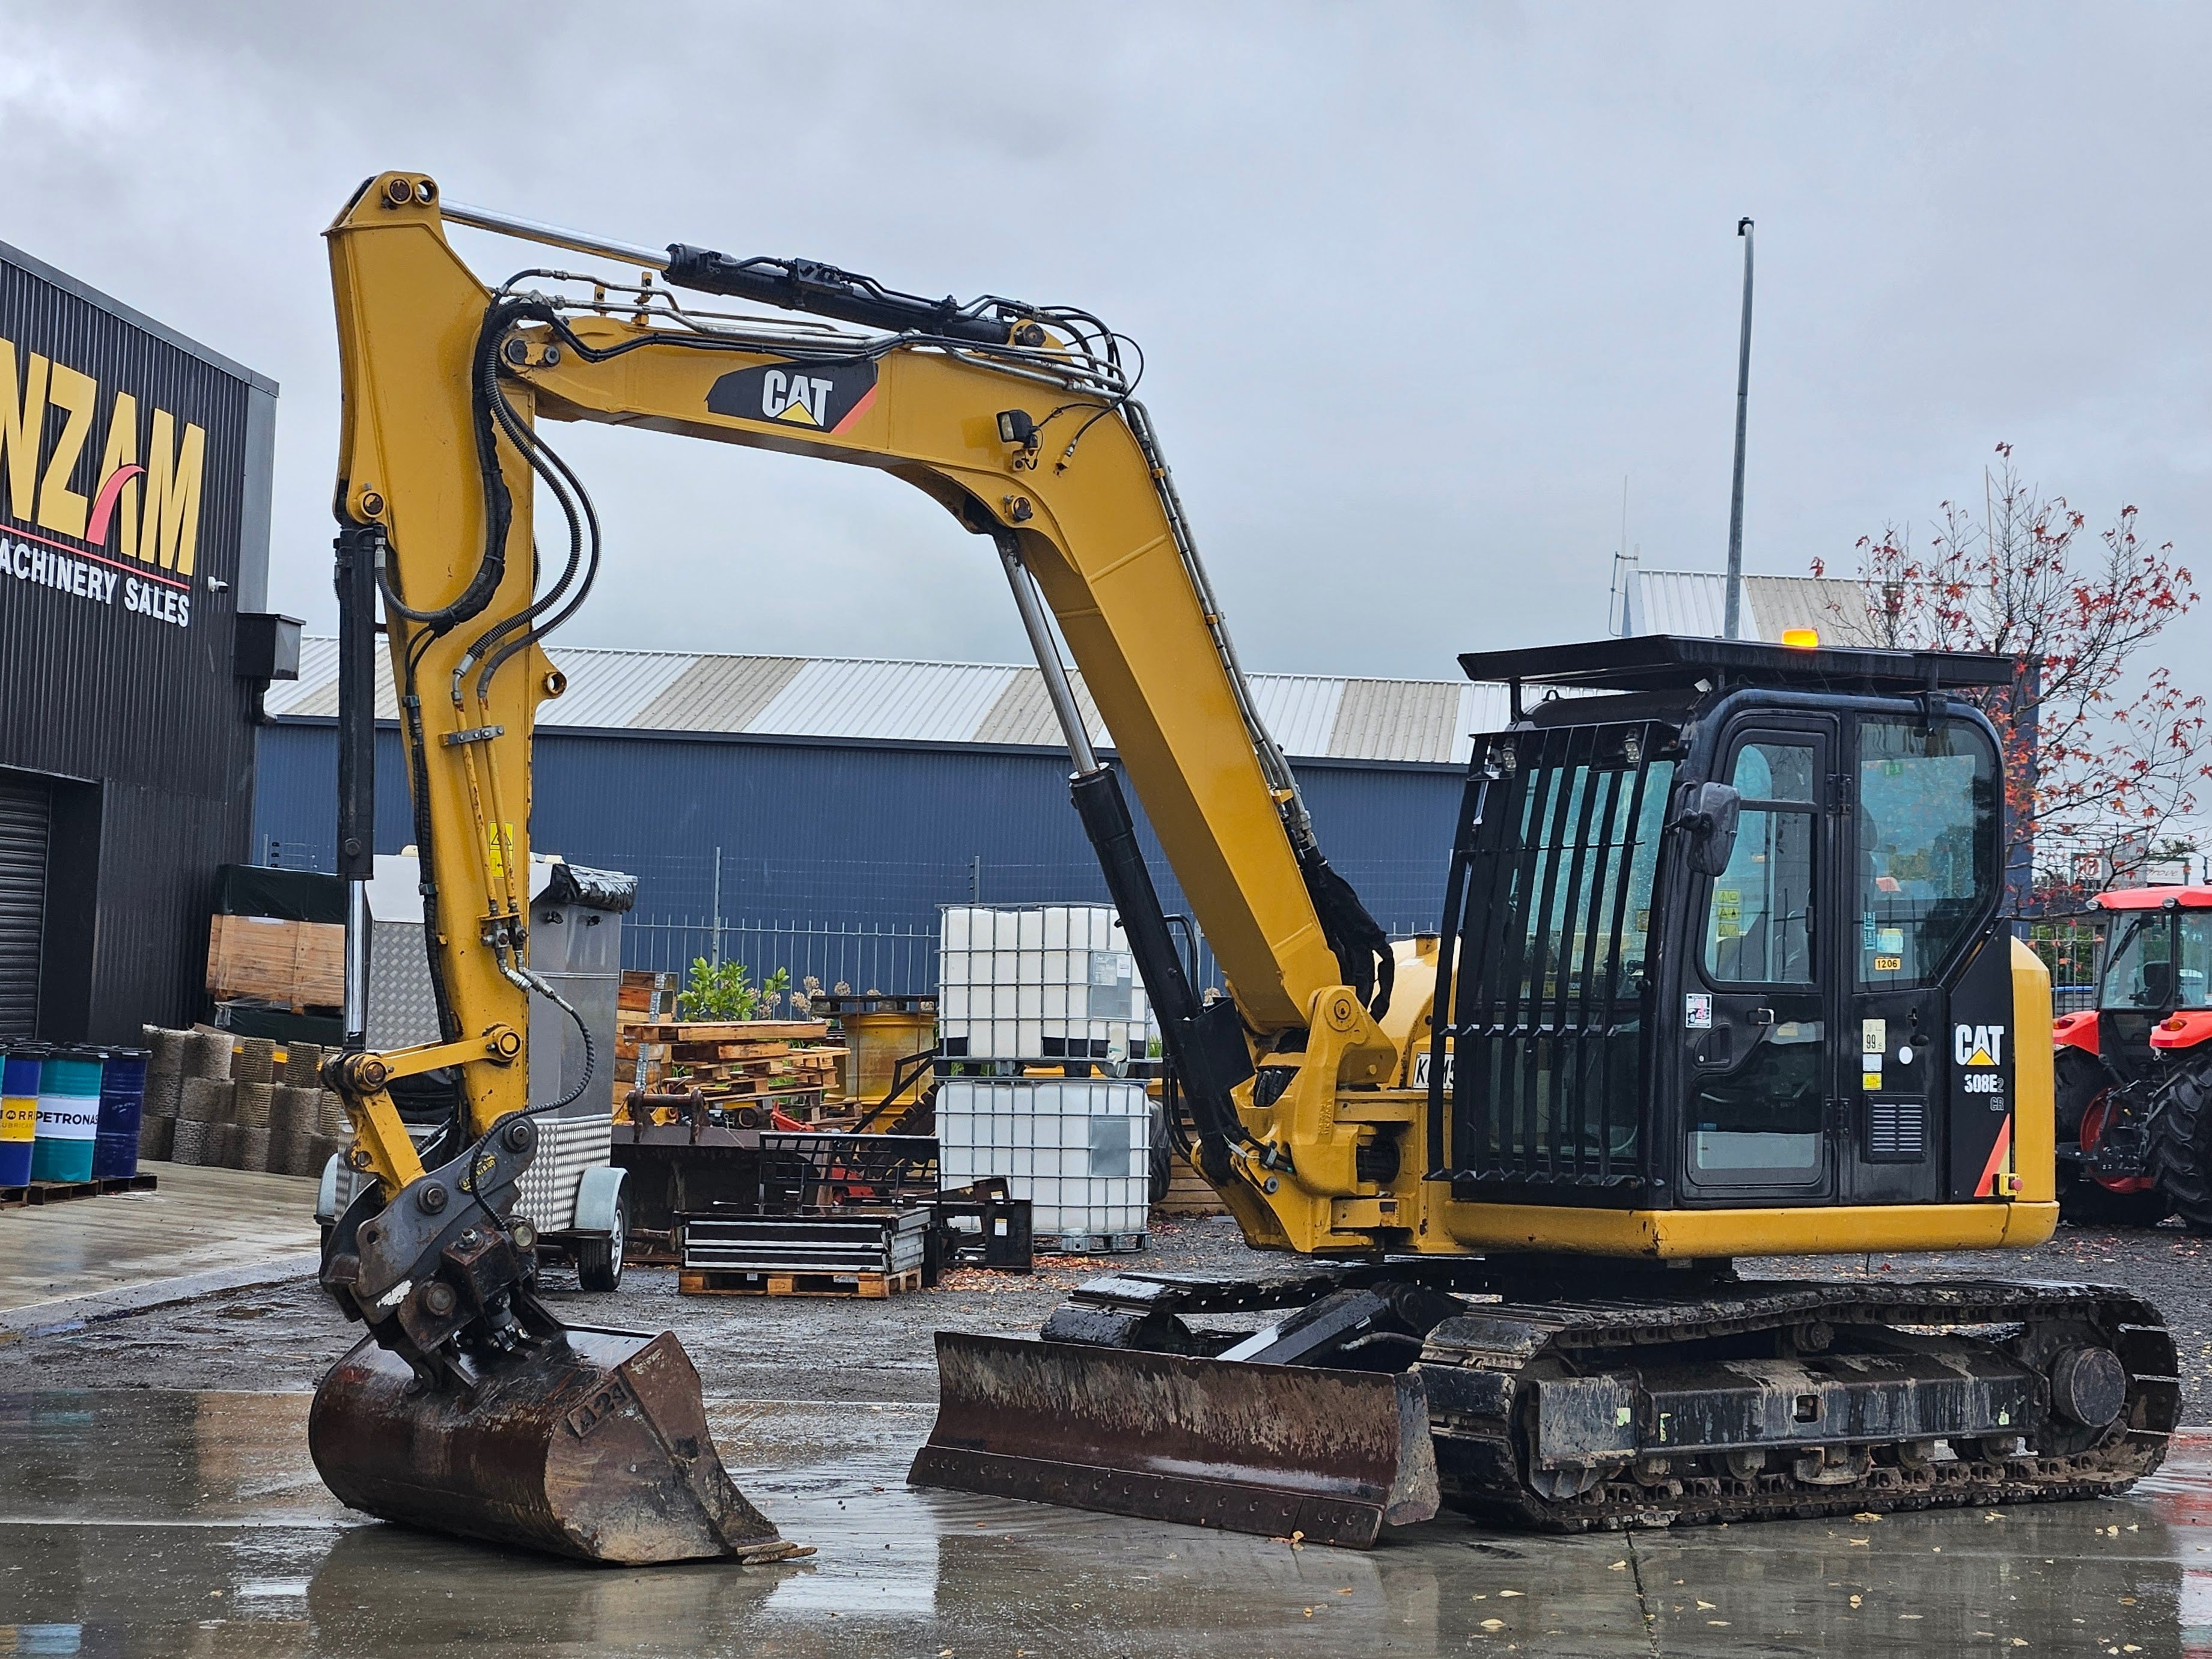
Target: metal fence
[
  {"x": 891, "y": 959},
  {"x": 896, "y": 961},
  {"x": 2069, "y": 947}
]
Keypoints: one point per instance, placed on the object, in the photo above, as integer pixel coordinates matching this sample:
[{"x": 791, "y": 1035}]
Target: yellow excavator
[{"x": 1722, "y": 972}]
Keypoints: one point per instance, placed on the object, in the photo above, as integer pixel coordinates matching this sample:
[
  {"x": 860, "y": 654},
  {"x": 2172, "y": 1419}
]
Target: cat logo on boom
[
  {"x": 1977, "y": 1045},
  {"x": 816, "y": 396}
]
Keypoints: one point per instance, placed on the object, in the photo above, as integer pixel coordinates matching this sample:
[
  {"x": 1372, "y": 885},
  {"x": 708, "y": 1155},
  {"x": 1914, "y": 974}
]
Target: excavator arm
[
  {"x": 1020, "y": 422},
  {"x": 1015, "y": 418}
]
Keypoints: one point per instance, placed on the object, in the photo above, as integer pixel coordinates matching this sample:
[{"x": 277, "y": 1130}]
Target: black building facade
[{"x": 135, "y": 470}]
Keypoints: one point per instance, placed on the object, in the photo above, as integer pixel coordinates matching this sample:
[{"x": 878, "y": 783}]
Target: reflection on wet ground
[{"x": 147, "y": 1523}]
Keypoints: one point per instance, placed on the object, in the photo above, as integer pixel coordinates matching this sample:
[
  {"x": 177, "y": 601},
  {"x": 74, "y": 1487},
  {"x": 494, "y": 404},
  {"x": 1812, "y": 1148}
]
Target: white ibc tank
[
  {"x": 1078, "y": 1148},
  {"x": 1046, "y": 982}
]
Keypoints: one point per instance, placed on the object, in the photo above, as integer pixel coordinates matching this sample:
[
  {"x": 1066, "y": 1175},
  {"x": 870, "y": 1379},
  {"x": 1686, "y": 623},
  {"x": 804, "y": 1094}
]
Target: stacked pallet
[
  {"x": 788, "y": 1064},
  {"x": 1188, "y": 1193},
  {"x": 643, "y": 999},
  {"x": 238, "y": 1104},
  {"x": 294, "y": 965}
]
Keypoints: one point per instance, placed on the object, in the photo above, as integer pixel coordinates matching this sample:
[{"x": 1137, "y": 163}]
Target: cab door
[
  {"x": 1762, "y": 989},
  {"x": 1927, "y": 966}
]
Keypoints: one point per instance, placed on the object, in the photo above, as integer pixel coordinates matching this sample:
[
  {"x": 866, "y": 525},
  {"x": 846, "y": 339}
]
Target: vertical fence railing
[
  {"x": 2069, "y": 946},
  {"x": 893, "y": 960}
]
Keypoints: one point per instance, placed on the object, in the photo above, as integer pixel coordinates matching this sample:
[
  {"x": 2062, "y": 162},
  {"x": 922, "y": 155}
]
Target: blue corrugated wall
[{"x": 825, "y": 833}]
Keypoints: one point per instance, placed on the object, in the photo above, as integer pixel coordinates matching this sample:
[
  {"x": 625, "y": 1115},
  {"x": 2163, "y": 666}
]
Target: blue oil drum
[
  {"x": 122, "y": 1104},
  {"x": 69, "y": 1115},
  {"x": 19, "y": 1112},
  {"x": 122, "y": 1090}
]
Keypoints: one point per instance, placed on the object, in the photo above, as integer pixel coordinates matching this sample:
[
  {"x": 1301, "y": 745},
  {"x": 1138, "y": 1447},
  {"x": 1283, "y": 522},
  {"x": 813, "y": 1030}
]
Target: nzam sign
[{"x": 123, "y": 531}]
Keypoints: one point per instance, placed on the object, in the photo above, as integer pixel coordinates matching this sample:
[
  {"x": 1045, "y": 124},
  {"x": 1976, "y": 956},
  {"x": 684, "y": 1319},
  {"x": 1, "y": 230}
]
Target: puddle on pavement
[{"x": 143, "y": 1523}]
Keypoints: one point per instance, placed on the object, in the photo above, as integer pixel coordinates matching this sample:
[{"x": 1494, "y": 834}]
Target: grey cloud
[{"x": 1417, "y": 285}]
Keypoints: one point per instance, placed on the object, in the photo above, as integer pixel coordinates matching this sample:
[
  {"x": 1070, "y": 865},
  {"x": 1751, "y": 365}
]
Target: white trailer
[{"x": 571, "y": 1193}]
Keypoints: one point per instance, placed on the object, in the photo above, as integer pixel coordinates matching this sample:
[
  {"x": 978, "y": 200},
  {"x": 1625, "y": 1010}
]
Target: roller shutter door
[{"x": 24, "y": 824}]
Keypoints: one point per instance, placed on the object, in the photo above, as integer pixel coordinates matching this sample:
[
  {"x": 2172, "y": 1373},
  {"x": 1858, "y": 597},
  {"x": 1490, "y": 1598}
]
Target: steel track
[
  {"x": 1475, "y": 1369},
  {"x": 1477, "y": 1372}
]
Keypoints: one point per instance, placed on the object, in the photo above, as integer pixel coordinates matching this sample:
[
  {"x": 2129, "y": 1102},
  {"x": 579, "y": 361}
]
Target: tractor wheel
[
  {"x": 2181, "y": 1141},
  {"x": 2082, "y": 1200}
]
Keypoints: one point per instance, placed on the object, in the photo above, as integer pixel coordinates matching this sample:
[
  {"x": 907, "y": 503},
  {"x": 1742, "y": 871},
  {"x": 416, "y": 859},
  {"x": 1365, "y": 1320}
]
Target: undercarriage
[{"x": 1562, "y": 1396}]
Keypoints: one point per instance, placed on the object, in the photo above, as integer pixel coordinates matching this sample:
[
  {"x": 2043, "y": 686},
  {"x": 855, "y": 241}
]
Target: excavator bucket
[
  {"x": 1281, "y": 1450},
  {"x": 593, "y": 1444}
]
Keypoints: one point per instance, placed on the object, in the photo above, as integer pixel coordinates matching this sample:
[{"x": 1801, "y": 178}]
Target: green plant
[
  {"x": 727, "y": 993},
  {"x": 773, "y": 991},
  {"x": 717, "y": 992}
]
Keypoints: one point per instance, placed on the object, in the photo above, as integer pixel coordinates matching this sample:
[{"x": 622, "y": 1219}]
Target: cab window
[
  {"x": 1759, "y": 921},
  {"x": 2159, "y": 962},
  {"x": 2190, "y": 977},
  {"x": 1927, "y": 844}
]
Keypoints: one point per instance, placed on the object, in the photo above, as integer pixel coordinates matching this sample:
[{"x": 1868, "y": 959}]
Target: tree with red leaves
[{"x": 2104, "y": 753}]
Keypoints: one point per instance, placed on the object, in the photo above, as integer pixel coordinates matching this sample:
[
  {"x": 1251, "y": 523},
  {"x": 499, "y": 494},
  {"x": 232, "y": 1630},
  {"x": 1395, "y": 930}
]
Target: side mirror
[{"x": 1709, "y": 816}]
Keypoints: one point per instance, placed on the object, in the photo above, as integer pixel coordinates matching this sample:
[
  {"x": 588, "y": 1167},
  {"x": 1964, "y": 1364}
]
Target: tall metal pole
[{"x": 1732, "y": 629}]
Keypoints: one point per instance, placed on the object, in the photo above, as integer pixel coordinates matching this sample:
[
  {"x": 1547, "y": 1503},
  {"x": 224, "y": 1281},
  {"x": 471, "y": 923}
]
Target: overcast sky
[{"x": 1419, "y": 286}]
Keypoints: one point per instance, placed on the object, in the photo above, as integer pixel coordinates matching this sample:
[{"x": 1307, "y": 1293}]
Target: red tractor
[{"x": 2135, "y": 1072}]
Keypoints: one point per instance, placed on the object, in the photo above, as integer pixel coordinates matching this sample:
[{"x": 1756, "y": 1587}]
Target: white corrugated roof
[
  {"x": 1695, "y": 602},
  {"x": 1312, "y": 715},
  {"x": 1299, "y": 709},
  {"x": 909, "y": 702},
  {"x": 611, "y": 688}
]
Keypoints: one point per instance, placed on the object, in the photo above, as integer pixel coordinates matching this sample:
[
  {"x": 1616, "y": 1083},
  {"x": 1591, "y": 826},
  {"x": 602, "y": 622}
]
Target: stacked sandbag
[
  {"x": 205, "y": 1096},
  {"x": 251, "y": 1106},
  {"x": 165, "y": 1088},
  {"x": 295, "y": 1114},
  {"x": 189, "y": 1142},
  {"x": 333, "y": 1128},
  {"x": 238, "y": 1103}
]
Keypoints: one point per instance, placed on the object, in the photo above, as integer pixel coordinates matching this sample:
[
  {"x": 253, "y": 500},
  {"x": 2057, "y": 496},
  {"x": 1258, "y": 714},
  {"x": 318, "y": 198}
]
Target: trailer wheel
[
  {"x": 2083, "y": 1200},
  {"x": 2181, "y": 1141},
  {"x": 599, "y": 1258}
]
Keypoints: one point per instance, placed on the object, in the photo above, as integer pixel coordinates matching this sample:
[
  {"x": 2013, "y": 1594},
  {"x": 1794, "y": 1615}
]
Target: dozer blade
[
  {"x": 593, "y": 1444},
  {"x": 1273, "y": 1450}
]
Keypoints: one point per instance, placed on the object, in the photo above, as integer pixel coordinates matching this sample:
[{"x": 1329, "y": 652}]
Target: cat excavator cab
[{"x": 1721, "y": 972}]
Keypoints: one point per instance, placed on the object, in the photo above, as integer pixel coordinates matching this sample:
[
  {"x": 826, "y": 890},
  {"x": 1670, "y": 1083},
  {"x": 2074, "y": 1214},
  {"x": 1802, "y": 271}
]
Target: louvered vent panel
[{"x": 1896, "y": 1130}]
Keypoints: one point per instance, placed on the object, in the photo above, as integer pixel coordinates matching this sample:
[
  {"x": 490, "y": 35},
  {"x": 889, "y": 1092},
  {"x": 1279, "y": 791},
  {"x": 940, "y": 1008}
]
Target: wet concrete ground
[
  {"x": 157, "y": 1497},
  {"x": 196, "y": 1221},
  {"x": 166, "y": 1522}
]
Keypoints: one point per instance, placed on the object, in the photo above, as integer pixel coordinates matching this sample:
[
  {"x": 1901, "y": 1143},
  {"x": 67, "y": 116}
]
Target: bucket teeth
[
  {"x": 1278, "y": 1450},
  {"x": 592, "y": 1444}
]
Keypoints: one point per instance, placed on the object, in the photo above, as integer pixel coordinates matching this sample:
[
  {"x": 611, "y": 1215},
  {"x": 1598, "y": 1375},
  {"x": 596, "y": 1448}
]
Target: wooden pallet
[
  {"x": 645, "y": 995},
  {"x": 750, "y": 1030},
  {"x": 300, "y": 963},
  {"x": 60, "y": 1191},
  {"x": 866, "y": 1287},
  {"x": 1188, "y": 1195},
  {"x": 50, "y": 1191}
]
